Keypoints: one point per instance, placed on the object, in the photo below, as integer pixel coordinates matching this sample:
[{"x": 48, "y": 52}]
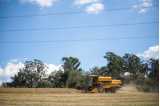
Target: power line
[
  {"x": 80, "y": 26},
  {"x": 77, "y": 40},
  {"x": 66, "y": 13}
]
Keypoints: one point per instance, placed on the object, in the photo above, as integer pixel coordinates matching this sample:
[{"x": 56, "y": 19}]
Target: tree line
[{"x": 129, "y": 68}]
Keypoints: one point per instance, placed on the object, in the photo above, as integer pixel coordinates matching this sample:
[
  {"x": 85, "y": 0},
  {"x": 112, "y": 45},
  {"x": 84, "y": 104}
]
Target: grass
[{"x": 71, "y": 97}]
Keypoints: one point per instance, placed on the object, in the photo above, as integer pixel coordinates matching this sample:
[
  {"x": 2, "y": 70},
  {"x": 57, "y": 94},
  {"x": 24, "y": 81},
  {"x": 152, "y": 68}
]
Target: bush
[
  {"x": 44, "y": 84},
  {"x": 148, "y": 85}
]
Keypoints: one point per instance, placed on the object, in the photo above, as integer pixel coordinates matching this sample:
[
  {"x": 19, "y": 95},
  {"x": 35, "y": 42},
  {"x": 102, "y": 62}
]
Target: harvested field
[
  {"x": 38, "y": 90},
  {"x": 71, "y": 97}
]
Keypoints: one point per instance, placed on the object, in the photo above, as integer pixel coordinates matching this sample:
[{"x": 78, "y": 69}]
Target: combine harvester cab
[{"x": 101, "y": 84}]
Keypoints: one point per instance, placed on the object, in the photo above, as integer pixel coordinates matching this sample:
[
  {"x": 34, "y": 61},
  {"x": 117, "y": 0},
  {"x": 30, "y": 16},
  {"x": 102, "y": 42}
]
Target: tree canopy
[
  {"x": 144, "y": 73},
  {"x": 31, "y": 75}
]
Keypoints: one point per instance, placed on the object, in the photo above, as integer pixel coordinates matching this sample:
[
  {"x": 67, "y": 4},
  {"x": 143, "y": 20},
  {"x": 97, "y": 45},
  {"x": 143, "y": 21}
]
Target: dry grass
[
  {"x": 70, "y": 97},
  {"x": 38, "y": 90}
]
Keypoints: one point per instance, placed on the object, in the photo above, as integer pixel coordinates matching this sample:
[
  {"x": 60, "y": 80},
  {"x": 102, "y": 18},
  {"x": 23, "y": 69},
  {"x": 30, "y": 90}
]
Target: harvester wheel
[
  {"x": 113, "y": 90},
  {"x": 100, "y": 89},
  {"x": 110, "y": 90}
]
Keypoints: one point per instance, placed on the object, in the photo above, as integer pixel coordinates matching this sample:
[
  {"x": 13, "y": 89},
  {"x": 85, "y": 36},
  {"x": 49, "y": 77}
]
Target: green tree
[
  {"x": 154, "y": 69},
  {"x": 72, "y": 71},
  {"x": 56, "y": 79},
  {"x": 71, "y": 63},
  {"x": 115, "y": 64},
  {"x": 152, "y": 81},
  {"x": 99, "y": 71},
  {"x": 30, "y": 75},
  {"x": 134, "y": 65}
]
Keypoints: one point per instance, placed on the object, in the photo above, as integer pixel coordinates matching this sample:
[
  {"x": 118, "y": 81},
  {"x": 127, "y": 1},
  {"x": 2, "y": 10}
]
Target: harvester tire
[
  {"x": 113, "y": 90},
  {"x": 110, "y": 90},
  {"x": 101, "y": 89}
]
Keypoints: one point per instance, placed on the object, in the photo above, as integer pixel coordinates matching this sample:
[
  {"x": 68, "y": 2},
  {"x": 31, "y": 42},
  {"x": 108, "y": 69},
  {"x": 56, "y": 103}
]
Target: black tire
[
  {"x": 110, "y": 90},
  {"x": 113, "y": 90},
  {"x": 100, "y": 89}
]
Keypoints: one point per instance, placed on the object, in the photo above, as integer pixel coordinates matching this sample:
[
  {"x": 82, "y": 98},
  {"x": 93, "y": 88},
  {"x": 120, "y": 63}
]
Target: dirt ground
[{"x": 70, "y": 97}]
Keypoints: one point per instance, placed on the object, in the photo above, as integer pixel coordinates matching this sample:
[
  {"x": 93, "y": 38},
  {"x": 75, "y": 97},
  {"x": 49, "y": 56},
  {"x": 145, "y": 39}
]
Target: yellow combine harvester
[{"x": 101, "y": 84}]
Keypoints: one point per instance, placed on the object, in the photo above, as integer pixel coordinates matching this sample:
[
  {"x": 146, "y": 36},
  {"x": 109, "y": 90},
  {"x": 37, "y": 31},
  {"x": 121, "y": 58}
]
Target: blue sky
[{"x": 93, "y": 12}]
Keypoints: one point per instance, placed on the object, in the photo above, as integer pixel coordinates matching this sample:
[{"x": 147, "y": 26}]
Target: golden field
[{"x": 71, "y": 97}]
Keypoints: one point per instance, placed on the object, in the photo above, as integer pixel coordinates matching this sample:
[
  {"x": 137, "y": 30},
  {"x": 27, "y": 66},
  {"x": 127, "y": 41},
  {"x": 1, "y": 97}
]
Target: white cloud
[
  {"x": 53, "y": 68},
  {"x": 9, "y": 71},
  {"x": 95, "y": 8},
  {"x": 152, "y": 52},
  {"x": 41, "y": 3},
  {"x": 143, "y": 6},
  {"x": 83, "y": 2},
  {"x": 90, "y": 6}
]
